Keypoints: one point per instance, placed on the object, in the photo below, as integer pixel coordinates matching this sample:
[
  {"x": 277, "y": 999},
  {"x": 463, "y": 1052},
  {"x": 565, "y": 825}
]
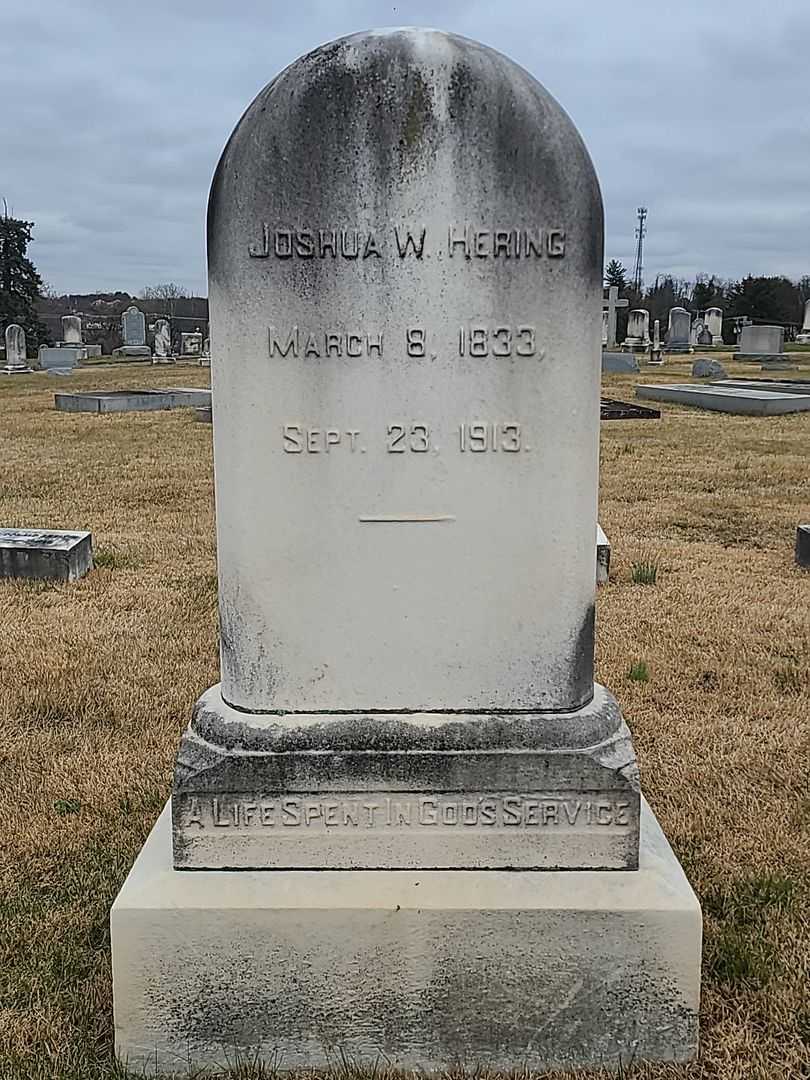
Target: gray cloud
[{"x": 113, "y": 120}]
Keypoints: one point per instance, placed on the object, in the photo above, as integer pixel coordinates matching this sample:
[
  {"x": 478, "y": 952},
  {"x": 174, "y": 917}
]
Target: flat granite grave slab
[
  {"x": 626, "y": 410},
  {"x": 779, "y": 386},
  {"x": 133, "y": 400},
  {"x": 52, "y": 554},
  {"x": 725, "y": 399}
]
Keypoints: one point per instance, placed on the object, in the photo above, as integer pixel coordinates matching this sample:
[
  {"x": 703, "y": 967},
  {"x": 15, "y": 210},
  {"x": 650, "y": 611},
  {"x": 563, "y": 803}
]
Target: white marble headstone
[{"x": 406, "y": 387}]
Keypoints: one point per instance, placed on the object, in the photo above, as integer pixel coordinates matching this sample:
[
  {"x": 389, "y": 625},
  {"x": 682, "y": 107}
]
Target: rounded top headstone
[
  {"x": 395, "y": 111},
  {"x": 405, "y": 278}
]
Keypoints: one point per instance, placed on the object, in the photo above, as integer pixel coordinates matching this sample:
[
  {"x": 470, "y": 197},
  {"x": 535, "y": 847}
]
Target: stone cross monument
[
  {"x": 610, "y": 307},
  {"x": 406, "y": 794}
]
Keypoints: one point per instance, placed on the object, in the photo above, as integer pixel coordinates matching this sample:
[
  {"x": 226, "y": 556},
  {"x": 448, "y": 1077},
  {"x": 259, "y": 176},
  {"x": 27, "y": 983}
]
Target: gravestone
[
  {"x": 133, "y": 331},
  {"x": 45, "y": 554},
  {"x": 191, "y": 344},
  {"x": 656, "y": 354},
  {"x": 678, "y": 331},
  {"x": 407, "y": 798},
  {"x": 803, "y": 337},
  {"x": 704, "y": 337},
  {"x": 64, "y": 358},
  {"x": 72, "y": 330},
  {"x": 16, "y": 356},
  {"x": 714, "y": 324},
  {"x": 704, "y": 368},
  {"x": 620, "y": 363},
  {"x": 720, "y": 398},
  {"x": 761, "y": 344},
  {"x": 638, "y": 330},
  {"x": 162, "y": 343},
  {"x": 610, "y": 307}
]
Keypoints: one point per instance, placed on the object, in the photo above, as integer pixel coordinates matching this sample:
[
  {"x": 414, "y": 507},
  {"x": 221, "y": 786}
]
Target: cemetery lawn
[{"x": 707, "y": 651}]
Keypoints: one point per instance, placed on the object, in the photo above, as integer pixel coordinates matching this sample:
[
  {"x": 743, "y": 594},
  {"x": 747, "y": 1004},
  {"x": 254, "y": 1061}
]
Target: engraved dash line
[{"x": 404, "y": 519}]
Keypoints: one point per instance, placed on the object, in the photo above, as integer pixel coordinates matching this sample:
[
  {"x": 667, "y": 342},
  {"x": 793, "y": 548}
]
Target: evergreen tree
[
  {"x": 616, "y": 274},
  {"x": 20, "y": 284},
  {"x": 764, "y": 299}
]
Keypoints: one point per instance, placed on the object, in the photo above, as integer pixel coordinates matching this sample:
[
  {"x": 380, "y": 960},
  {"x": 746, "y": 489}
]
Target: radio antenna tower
[{"x": 641, "y": 232}]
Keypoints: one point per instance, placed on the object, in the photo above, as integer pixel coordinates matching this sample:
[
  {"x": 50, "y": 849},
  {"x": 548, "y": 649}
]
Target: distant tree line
[{"x": 776, "y": 300}]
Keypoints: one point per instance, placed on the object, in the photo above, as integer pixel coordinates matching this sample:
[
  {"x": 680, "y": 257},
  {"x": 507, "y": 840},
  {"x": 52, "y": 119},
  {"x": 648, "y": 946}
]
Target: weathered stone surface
[
  {"x": 406, "y": 439},
  {"x": 704, "y": 368},
  {"x": 803, "y": 545},
  {"x": 704, "y": 337},
  {"x": 16, "y": 357},
  {"x": 714, "y": 324},
  {"x": 66, "y": 357},
  {"x": 388, "y": 537},
  {"x": 133, "y": 400},
  {"x": 761, "y": 343},
  {"x": 610, "y": 306},
  {"x": 140, "y": 352},
  {"x": 45, "y": 554},
  {"x": 638, "y": 329},
  {"x": 679, "y": 330},
  {"x": 72, "y": 330},
  {"x": 485, "y": 968},
  {"x": 781, "y": 386},
  {"x": 726, "y": 399},
  {"x": 191, "y": 344},
  {"x": 406, "y": 790},
  {"x": 620, "y": 363},
  {"x": 163, "y": 342}
]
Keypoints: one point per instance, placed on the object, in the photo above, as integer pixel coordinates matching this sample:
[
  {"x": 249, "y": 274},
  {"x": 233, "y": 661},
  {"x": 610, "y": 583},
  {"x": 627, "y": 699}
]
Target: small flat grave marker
[{"x": 50, "y": 554}]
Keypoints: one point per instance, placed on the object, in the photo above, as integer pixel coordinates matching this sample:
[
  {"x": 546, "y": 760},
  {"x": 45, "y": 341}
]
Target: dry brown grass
[{"x": 97, "y": 678}]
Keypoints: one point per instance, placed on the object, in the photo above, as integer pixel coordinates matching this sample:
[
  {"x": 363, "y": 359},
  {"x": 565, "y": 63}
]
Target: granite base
[{"x": 421, "y": 969}]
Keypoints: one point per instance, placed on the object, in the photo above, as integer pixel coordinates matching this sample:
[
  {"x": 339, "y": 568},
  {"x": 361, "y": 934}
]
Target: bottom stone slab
[{"x": 421, "y": 969}]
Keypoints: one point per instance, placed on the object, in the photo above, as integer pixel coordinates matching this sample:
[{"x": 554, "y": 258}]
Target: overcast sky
[{"x": 113, "y": 116}]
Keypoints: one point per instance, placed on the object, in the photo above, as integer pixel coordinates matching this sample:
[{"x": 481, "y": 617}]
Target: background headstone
[
  {"x": 714, "y": 324},
  {"x": 704, "y": 337},
  {"x": 191, "y": 344},
  {"x": 761, "y": 343},
  {"x": 638, "y": 329},
  {"x": 678, "y": 331},
  {"x": 16, "y": 356},
  {"x": 704, "y": 368},
  {"x": 71, "y": 330},
  {"x": 133, "y": 326},
  {"x": 610, "y": 308},
  {"x": 620, "y": 363},
  {"x": 163, "y": 341},
  {"x": 803, "y": 337}
]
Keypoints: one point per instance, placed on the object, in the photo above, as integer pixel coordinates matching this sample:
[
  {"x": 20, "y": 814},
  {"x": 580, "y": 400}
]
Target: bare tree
[{"x": 167, "y": 291}]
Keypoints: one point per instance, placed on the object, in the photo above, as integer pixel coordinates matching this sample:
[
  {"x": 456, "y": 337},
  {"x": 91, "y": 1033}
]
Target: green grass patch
[
  {"x": 644, "y": 572},
  {"x": 638, "y": 672}
]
